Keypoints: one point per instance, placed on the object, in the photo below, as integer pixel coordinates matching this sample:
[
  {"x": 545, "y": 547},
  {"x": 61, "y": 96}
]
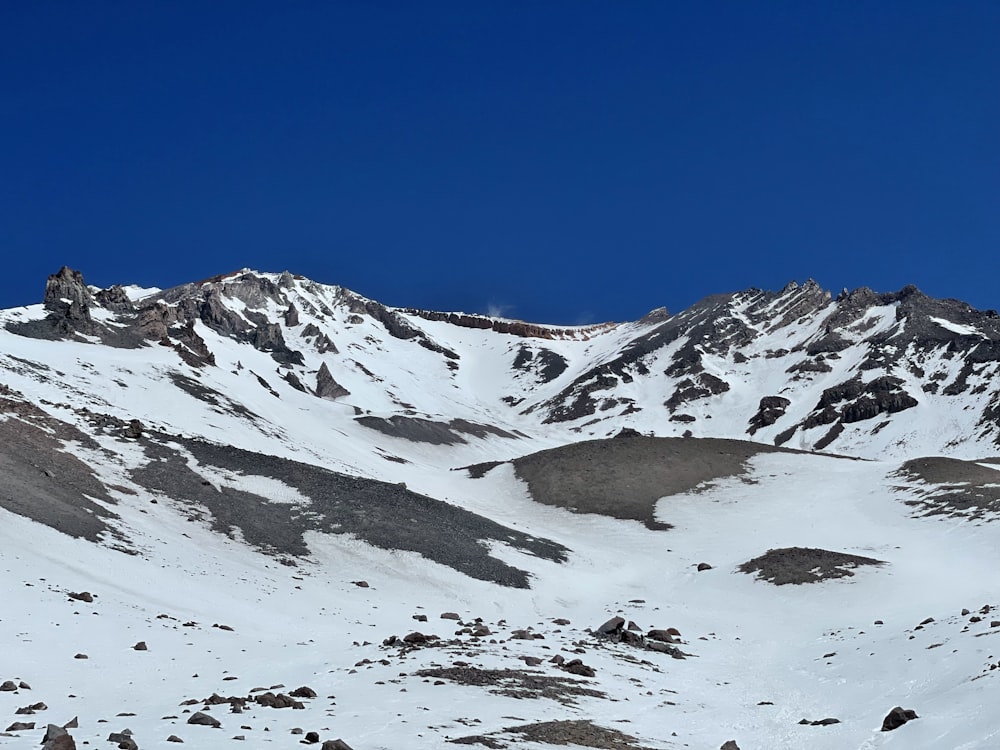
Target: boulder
[
  {"x": 661, "y": 635},
  {"x": 897, "y": 717},
  {"x": 577, "y": 667},
  {"x": 62, "y": 742},
  {"x": 204, "y": 719},
  {"x": 52, "y": 733},
  {"x": 730, "y": 745},
  {"x": 612, "y": 626},
  {"x": 337, "y": 744}
]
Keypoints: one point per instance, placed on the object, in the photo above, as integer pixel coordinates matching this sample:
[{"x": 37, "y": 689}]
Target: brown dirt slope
[{"x": 625, "y": 477}]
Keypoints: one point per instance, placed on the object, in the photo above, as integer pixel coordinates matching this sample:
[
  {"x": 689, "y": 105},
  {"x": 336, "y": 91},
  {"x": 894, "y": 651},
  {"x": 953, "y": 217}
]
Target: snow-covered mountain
[{"x": 321, "y": 477}]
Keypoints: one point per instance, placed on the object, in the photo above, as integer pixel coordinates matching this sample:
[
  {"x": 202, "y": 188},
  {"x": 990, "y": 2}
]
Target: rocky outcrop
[
  {"x": 769, "y": 411},
  {"x": 327, "y": 387},
  {"x": 511, "y": 327},
  {"x": 66, "y": 294},
  {"x": 116, "y": 299}
]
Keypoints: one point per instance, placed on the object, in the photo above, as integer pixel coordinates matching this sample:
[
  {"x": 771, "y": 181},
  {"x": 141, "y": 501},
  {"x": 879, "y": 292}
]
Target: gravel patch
[
  {"x": 577, "y": 732},
  {"x": 626, "y": 477},
  {"x": 950, "y": 486},
  {"x": 384, "y": 515},
  {"x": 804, "y": 565}
]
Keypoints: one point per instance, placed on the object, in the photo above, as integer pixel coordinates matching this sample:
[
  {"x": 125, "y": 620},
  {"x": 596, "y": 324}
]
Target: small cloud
[{"x": 497, "y": 310}]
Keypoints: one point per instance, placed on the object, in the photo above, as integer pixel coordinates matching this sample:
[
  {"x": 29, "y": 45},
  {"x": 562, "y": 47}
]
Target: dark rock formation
[
  {"x": 203, "y": 719},
  {"x": 769, "y": 411},
  {"x": 116, "y": 299},
  {"x": 327, "y": 387},
  {"x": 897, "y": 717}
]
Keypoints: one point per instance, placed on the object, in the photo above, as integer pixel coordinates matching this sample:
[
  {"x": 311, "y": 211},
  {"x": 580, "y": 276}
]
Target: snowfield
[{"x": 237, "y": 571}]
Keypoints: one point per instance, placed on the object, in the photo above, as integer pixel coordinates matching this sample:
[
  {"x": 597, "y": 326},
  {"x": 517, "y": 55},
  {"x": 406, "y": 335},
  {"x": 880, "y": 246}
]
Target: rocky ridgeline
[
  {"x": 900, "y": 337},
  {"x": 901, "y": 349}
]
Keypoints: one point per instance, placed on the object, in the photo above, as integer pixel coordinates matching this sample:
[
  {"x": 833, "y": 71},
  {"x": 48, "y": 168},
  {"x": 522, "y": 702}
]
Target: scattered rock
[
  {"x": 8, "y": 686},
  {"x": 62, "y": 742},
  {"x": 303, "y": 692},
  {"x": 576, "y": 666},
  {"x": 311, "y": 738},
  {"x": 662, "y": 635},
  {"x": 279, "y": 700},
  {"x": 81, "y": 656},
  {"x": 703, "y": 566},
  {"x": 730, "y": 745},
  {"x": 612, "y": 626},
  {"x": 337, "y": 744},
  {"x": 897, "y": 717},
  {"x": 140, "y": 646},
  {"x": 83, "y": 596},
  {"x": 204, "y": 719},
  {"x": 450, "y": 616},
  {"x": 20, "y": 726},
  {"x": 174, "y": 738},
  {"x": 361, "y": 584},
  {"x": 57, "y": 738}
]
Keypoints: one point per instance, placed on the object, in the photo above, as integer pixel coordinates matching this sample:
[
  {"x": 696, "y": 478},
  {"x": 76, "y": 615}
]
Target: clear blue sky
[{"x": 563, "y": 161}]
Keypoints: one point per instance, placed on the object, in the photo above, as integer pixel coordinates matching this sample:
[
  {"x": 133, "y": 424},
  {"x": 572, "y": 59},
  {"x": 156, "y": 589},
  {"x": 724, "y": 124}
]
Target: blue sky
[{"x": 564, "y": 162}]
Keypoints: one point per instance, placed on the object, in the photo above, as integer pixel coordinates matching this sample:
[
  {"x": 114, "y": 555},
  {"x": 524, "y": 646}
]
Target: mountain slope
[{"x": 272, "y": 483}]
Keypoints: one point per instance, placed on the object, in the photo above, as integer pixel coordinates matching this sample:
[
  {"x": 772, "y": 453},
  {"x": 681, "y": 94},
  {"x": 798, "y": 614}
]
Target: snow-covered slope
[{"x": 277, "y": 484}]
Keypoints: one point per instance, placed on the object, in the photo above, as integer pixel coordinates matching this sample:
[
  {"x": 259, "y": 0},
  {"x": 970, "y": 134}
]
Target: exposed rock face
[
  {"x": 115, "y": 298},
  {"x": 66, "y": 294},
  {"x": 771, "y": 409},
  {"x": 327, "y": 387},
  {"x": 512, "y": 327}
]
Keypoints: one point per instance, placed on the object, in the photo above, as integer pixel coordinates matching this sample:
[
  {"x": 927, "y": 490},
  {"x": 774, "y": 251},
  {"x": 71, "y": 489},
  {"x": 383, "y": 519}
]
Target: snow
[
  {"x": 757, "y": 661},
  {"x": 948, "y": 325}
]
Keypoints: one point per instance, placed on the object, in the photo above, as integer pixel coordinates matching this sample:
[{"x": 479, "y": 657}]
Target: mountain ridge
[{"x": 797, "y": 367}]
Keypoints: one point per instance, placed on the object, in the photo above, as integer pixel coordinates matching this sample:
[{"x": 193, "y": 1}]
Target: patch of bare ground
[
  {"x": 579, "y": 732},
  {"x": 804, "y": 565},
  {"x": 626, "y": 477},
  {"x": 516, "y": 683},
  {"x": 952, "y": 487}
]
